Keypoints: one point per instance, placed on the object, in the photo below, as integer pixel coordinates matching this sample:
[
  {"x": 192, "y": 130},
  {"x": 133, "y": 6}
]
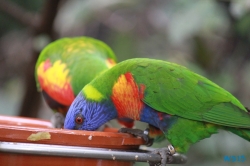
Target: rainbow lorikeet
[
  {"x": 183, "y": 105},
  {"x": 65, "y": 66}
]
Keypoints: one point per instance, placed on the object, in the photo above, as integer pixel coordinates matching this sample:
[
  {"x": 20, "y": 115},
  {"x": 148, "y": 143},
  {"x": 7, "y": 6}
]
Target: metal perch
[{"x": 85, "y": 152}]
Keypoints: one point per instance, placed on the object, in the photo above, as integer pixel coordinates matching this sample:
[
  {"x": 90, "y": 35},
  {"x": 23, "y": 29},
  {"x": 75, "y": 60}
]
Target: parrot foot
[
  {"x": 166, "y": 155},
  {"x": 139, "y": 133}
]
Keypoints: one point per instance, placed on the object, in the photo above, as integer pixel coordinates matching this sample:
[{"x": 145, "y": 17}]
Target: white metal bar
[{"x": 85, "y": 152}]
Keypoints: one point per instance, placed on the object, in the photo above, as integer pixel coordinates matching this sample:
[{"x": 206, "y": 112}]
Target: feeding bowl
[{"x": 28, "y": 141}]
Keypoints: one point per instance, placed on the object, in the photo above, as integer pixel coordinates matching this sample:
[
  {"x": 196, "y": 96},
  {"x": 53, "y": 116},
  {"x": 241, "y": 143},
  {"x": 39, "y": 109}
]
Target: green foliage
[{"x": 9, "y": 24}]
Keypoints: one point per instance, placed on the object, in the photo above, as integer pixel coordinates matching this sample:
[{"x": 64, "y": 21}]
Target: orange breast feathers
[
  {"x": 127, "y": 97},
  {"x": 54, "y": 80}
]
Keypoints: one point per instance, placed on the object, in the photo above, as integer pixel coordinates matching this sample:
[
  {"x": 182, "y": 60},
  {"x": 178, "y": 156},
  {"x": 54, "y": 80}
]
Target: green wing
[{"x": 175, "y": 90}]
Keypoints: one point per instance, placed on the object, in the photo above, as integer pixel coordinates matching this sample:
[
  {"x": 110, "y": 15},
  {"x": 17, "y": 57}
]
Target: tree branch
[
  {"x": 19, "y": 14},
  {"x": 32, "y": 98}
]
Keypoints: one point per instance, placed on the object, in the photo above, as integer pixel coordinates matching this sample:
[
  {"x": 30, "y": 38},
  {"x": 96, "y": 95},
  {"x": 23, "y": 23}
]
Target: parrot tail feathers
[{"x": 243, "y": 133}]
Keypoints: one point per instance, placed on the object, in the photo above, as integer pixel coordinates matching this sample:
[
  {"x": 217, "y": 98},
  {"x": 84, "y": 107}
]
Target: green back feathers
[
  {"x": 84, "y": 57},
  {"x": 71, "y": 47},
  {"x": 175, "y": 90}
]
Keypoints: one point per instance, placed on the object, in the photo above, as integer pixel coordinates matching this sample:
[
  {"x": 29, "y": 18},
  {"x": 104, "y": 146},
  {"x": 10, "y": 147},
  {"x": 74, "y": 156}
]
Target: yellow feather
[
  {"x": 55, "y": 75},
  {"x": 92, "y": 93}
]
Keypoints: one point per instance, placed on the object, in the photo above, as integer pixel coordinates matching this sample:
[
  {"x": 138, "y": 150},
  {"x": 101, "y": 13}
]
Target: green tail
[{"x": 243, "y": 133}]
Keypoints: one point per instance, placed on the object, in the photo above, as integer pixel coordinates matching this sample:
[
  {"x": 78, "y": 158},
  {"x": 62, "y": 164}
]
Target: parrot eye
[{"x": 79, "y": 119}]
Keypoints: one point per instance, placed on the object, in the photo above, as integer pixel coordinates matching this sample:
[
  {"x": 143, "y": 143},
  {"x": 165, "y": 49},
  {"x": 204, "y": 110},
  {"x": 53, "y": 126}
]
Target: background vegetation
[{"x": 211, "y": 37}]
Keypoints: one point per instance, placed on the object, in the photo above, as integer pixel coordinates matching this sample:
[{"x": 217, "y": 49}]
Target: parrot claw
[
  {"x": 139, "y": 133},
  {"x": 166, "y": 155}
]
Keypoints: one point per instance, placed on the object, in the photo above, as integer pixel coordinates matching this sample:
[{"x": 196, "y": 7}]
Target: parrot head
[{"x": 84, "y": 114}]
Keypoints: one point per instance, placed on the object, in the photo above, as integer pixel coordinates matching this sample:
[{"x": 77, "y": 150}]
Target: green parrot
[
  {"x": 184, "y": 106},
  {"x": 66, "y": 65}
]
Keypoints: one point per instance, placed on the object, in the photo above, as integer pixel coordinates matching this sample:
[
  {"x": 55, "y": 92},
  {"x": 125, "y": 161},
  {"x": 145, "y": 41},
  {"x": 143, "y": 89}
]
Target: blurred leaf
[
  {"x": 187, "y": 18},
  {"x": 243, "y": 26},
  {"x": 239, "y": 8},
  {"x": 78, "y": 13}
]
